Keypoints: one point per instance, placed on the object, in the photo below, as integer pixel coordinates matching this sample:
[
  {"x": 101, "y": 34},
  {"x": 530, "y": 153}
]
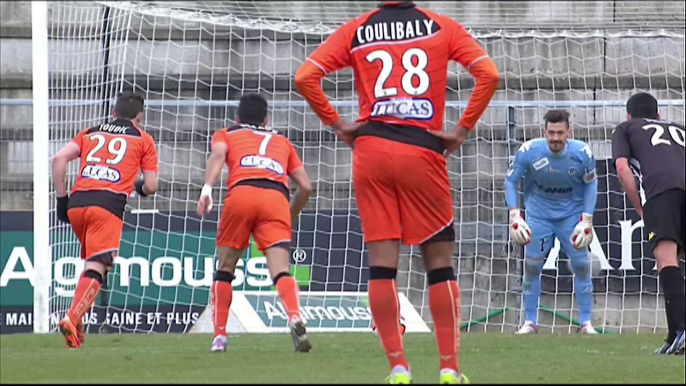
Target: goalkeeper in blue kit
[{"x": 560, "y": 189}]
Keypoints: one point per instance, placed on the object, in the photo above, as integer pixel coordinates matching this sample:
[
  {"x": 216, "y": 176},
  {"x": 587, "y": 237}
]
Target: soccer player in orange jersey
[
  {"x": 399, "y": 54},
  {"x": 112, "y": 155},
  {"x": 260, "y": 161}
]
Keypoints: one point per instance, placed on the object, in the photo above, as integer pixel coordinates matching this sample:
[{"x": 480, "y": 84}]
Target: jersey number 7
[
  {"x": 411, "y": 70},
  {"x": 263, "y": 145}
]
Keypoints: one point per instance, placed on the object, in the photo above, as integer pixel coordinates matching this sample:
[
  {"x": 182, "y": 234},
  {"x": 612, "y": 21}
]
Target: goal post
[
  {"x": 41, "y": 185},
  {"x": 193, "y": 61}
]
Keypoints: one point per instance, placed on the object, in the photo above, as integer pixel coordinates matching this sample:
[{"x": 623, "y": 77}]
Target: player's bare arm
[
  {"x": 628, "y": 182},
  {"x": 308, "y": 82},
  {"x": 215, "y": 162},
  {"x": 466, "y": 51},
  {"x": 302, "y": 192},
  {"x": 68, "y": 153}
]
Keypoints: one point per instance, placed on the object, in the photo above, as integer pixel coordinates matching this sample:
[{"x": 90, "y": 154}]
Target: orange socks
[
  {"x": 86, "y": 291},
  {"x": 288, "y": 292},
  {"x": 221, "y": 295},
  {"x": 385, "y": 307},
  {"x": 444, "y": 303}
]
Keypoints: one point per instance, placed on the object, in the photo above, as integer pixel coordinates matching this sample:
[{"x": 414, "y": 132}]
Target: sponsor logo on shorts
[
  {"x": 260, "y": 162},
  {"x": 405, "y": 108},
  {"x": 101, "y": 173}
]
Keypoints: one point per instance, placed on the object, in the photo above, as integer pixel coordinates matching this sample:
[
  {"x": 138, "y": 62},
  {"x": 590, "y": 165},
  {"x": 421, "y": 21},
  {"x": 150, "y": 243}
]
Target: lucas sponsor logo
[
  {"x": 260, "y": 162},
  {"x": 406, "y": 108},
  {"x": 101, "y": 173}
]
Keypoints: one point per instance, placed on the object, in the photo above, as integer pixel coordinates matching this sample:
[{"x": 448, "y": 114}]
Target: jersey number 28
[
  {"x": 676, "y": 133},
  {"x": 411, "y": 70}
]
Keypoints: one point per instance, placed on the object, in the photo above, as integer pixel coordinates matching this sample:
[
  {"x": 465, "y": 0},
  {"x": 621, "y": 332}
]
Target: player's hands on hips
[
  {"x": 62, "y": 208},
  {"x": 583, "y": 232},
  {"x": 452, "y": 140},
  {"x": 520, "y": 232},
  {"x": 346, "y": 131},
  {"x": 205, "y": 201}
]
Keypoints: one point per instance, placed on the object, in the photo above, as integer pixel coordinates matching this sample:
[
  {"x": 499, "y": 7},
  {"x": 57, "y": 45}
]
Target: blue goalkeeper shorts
[{"x": 544, "y": 232}]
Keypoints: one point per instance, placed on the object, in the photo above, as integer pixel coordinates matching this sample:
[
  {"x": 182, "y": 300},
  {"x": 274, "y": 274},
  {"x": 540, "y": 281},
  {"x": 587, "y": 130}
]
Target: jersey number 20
[
  {"x": 676, "y": 133},
  {"x": 411, "y": 70}
]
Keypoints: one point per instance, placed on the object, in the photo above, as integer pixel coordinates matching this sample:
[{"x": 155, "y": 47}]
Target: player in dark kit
[
  {"x": 399, "y": 54},
  {"x": 655, "y": 149}
]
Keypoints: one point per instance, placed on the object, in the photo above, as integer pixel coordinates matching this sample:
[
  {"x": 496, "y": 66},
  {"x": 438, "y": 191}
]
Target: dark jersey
[{"x": 655, "y": 149}]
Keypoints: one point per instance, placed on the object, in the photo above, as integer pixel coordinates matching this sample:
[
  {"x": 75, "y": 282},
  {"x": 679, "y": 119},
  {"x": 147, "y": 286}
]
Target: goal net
[{"x": 193, "y": 60}]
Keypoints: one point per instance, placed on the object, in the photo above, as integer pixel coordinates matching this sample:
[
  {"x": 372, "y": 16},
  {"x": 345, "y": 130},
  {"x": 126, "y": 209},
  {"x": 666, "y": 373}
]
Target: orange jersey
[
  {"x": 400, "y": 54},
  {"x": 112, "y": 156},
  {"x": 257, "y": 154}
]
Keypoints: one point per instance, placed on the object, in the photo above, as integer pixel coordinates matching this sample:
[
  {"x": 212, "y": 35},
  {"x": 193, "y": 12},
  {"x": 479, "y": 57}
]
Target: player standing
[
  {"x": 560, "y": 190},
  {"x": 112, "y": 156},
  {"x": 400, "y": 54},
  {"x": 260, "y": 162},
  {"x": 655, "y": 148}
]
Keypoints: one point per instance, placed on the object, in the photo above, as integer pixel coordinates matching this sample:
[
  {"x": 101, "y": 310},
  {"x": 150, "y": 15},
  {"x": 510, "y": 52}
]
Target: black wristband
[
  {"x": 63, "y": 200},
  {"x": 139, "y": 188}
]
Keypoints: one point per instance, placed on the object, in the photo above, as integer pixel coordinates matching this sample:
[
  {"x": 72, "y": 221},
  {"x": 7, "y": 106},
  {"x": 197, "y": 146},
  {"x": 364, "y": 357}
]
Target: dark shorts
[{"x": 664, "y": 218}]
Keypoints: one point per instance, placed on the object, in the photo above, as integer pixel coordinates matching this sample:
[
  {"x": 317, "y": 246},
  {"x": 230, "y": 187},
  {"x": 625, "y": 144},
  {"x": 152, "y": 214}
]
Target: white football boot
[
  {"x": 527, "y": 328},
  {"x": 587, "y": 328},
  {"x": 219, "y": 344}
]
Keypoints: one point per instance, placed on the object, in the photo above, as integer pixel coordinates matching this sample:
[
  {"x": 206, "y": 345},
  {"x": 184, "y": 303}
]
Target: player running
[
  {"x": 560, "y": 189},
  {"x": 260, "y": 162},
  {"x": 655, "y": 148},
  {"x": 112, "y": 155},
  {"x": 400, "y": 54}
]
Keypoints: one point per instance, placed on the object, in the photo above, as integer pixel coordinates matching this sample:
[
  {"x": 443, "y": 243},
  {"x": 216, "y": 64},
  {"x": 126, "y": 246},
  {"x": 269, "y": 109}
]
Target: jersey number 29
[
  {"x": 116, "y": 147},
  {"x": 676, "y": 133},
  {"x": 411, "y": 70}
]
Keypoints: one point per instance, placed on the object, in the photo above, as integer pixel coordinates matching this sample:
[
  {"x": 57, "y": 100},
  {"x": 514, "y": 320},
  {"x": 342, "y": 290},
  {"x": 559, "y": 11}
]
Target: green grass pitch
[{"x": 336, "y": 358}]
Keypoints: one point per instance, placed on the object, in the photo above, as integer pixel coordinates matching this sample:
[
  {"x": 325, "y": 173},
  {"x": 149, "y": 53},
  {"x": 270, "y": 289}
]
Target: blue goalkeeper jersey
[{"x": 556, "y": 186}]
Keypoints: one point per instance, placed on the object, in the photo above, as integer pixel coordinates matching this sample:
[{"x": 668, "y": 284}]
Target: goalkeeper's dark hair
[
  {"x": 556, "y": 116},
  {"x": 642, "y": 105},
  {"x": 129, "y": 105},
  {"x": 252, "y": 109}
]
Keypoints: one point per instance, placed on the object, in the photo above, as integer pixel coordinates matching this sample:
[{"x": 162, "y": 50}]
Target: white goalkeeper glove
[
  {"x": 519, "y": 230},
  {"x": 583, "y": 232},
  {"x": 205, "y": 200}
]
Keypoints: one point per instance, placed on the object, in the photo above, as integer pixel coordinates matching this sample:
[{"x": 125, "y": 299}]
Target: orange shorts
[
  {"x": 263, "y": 212},
  {"x": 98, "y": 230},
  {"x": 402, "y": 192}
]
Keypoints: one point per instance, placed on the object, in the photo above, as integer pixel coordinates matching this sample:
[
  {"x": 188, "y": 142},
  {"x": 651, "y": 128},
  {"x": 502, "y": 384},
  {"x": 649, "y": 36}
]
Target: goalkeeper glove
[
  {"x": 583, "y": 232},
  {"x": 519, "y": 230}
]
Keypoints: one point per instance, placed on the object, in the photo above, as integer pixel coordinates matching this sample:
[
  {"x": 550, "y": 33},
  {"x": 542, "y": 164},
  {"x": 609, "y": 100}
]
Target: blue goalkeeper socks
[
  {"x": 583, "y": 288},
  {"x": 532, "y": 288}
]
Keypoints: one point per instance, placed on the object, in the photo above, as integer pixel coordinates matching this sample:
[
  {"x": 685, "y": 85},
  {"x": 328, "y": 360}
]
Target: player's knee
[
  {"x": 224, "y": 276},
  {"x": 382, "y": 273},
  {"x": 276, "y": 278},
  {"x": 581, "y": 268},
  {"x": 441, "y": 275},
  {"x": 533, "y": 268},
  {"x": 93, "y": 274}
]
